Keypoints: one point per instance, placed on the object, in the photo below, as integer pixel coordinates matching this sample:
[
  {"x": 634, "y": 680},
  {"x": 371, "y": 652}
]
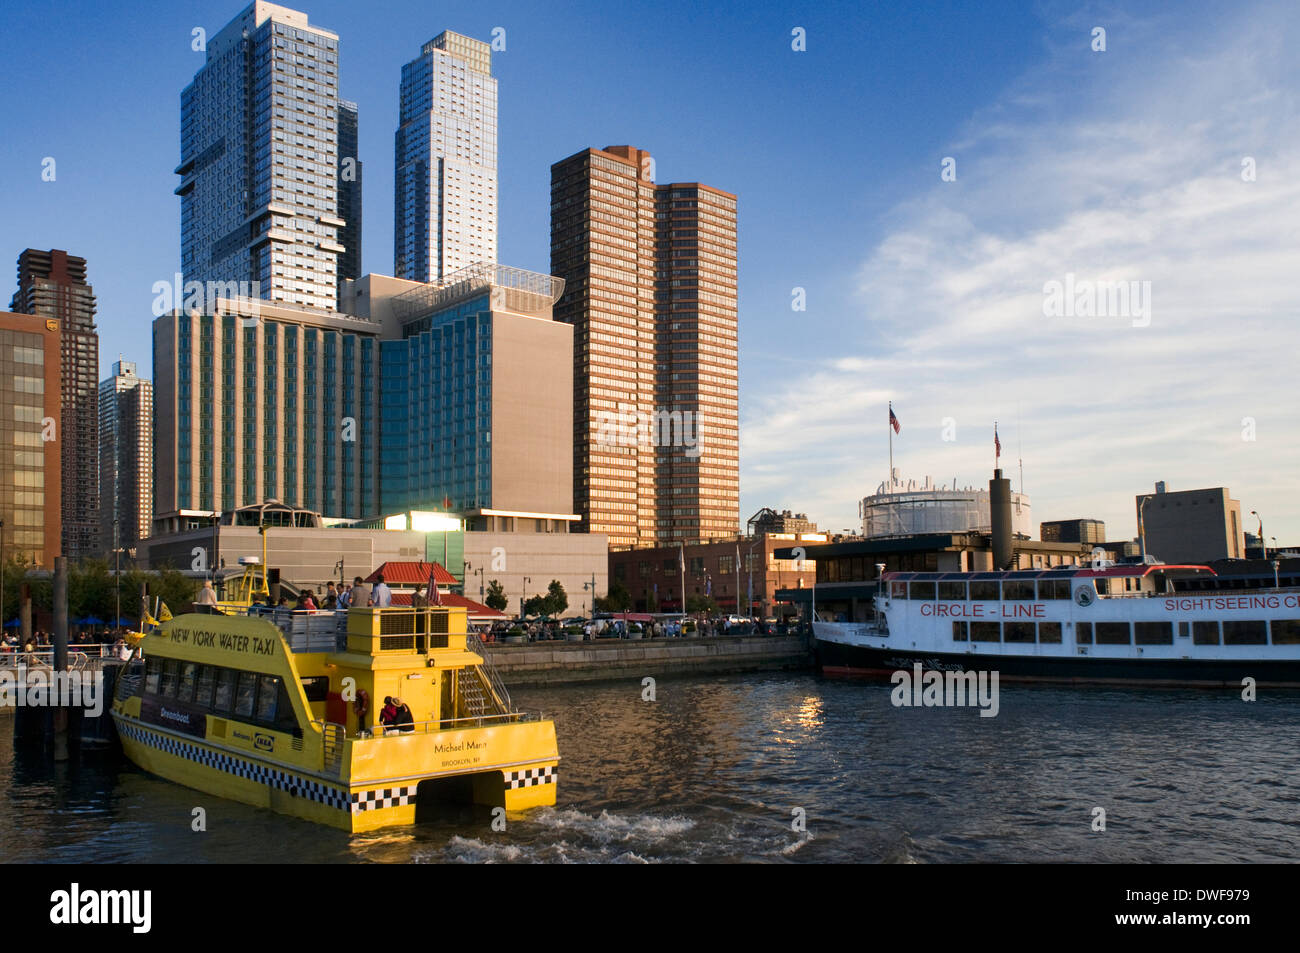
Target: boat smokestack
[{"x": 1000, "y": 521}]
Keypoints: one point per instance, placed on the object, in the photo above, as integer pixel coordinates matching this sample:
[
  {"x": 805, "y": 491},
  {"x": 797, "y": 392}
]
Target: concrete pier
[{"x": 561, "y": 663}]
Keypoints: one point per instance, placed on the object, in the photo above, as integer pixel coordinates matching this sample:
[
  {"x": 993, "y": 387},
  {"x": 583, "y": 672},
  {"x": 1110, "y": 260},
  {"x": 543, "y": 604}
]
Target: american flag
[
  {"x": 893, "y": 421},
  {"x": 997, "y": 444}
]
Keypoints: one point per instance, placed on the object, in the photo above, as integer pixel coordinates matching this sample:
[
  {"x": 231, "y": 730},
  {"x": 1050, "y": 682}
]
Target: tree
[
  {"x": 90, "y": 589},
  {"x": 175, "y": 589},
  {"x": 535, "y": 605},
  {"x": 618, "y": 599},
  {"x": 557, "y": 600},
  {"x": 701, "y": 604},
  {"x": 496, "y": 596}
]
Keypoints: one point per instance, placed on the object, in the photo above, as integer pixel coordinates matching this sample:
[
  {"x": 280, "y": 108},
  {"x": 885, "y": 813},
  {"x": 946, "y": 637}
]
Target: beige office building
[
  {"x": 31, "y": 500},
  {"x": 256, "y": 401},
  {"x": 1191, "y": 526},
  {"x": 650, "y": 289}
]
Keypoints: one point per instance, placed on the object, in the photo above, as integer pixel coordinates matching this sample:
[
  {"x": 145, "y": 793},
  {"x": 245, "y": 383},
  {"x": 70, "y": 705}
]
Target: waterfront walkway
[{"x": 558, "y": 663}]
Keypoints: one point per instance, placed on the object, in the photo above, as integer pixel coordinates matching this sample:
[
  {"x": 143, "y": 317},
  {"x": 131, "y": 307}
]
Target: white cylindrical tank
[{"x": 913, "y": 508}]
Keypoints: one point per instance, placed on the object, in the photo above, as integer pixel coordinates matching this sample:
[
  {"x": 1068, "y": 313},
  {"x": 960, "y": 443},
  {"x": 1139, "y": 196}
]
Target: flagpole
[{"x": 890, "y": 425}]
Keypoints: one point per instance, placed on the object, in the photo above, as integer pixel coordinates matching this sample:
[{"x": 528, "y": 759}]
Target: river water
[{"x": 773, "y": 768}]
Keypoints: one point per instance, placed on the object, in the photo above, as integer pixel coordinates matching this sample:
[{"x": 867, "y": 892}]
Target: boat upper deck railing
[
  {"x": 371, "y": 631},
  {"x": 434, "y": 726}
]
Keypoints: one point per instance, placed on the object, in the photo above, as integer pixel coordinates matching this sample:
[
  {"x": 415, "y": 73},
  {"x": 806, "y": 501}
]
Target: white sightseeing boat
[{"x": 1151, "y": 624}]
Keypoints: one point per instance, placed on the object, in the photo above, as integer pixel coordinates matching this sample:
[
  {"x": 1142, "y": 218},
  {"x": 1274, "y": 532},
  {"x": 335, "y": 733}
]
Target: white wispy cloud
[{"x": 1116, "y": 166}]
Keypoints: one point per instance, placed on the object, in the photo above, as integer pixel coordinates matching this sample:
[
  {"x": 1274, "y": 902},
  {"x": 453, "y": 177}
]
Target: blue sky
[{"x": 1123, "y": 165}]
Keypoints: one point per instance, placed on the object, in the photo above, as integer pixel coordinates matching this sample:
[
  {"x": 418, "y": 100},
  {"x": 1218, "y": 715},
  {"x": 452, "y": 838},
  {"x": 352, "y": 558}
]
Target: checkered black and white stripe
[
  {"x": 293, "y": 784},
  {"x": 531, "y": 777},
  {"x": 382, "y": 797}
]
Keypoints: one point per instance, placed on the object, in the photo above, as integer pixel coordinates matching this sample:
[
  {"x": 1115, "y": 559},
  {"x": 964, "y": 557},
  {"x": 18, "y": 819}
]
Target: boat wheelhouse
[
  {"x": 1161, "y": 624},
  {"x": 280, "y": 709}
]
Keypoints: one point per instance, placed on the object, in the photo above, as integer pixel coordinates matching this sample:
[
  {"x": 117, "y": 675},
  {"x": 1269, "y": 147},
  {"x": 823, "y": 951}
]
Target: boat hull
[
  {"x": 238, "y": 776},
  {"x": 865, "y": 661}
]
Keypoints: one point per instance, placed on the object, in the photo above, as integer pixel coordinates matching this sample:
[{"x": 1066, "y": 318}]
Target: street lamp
[
  {"x": 1277, "y": 563},
  {"x": 1142, "y": 526},
  {"x": 469, "y": 567},
  {"x": 1255, "y": 513},
  {"x": 524, "y": 597}
]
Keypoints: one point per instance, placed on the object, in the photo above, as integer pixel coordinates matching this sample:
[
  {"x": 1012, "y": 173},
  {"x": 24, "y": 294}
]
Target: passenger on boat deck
[
  {"x": 381, "y": 597},
  {"x": 404, "y": 721},
  {"x": 389, "y": 712},
  {"x": 345, "y": 596},
  {"x": 418, "y": 599},
  {"x": 331, "y": 598},
  {"x": 283, "y": 603},
  {"x": 360, "y": 597},
  {"x": 305, "y": 601},
  {"x": 207, "y": 600}
]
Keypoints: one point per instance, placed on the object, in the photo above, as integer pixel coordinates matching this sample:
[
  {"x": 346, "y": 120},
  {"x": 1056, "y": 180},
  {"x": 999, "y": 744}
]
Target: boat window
[
  {"x": 1083, "y": 633},
  {"x": 986, "y": 631},
  {"x": 316, "y": 687},
  {"x": 984, "y": 589},
  {"x": 898, "y": 590},
  {"x": 1053, "y": 588},
  {"x": 245, "y": 692},
  {"x": 225, "y": 690},
  {"x": 203, "y": 687},
  {"x": 170, "y": 668},
  {"x": 286, "y": 719},
  {"x": 188, "y": 672},
  {"x": 1153, "y": 633},
  {"x": 1018, "y": 632},
  {"x": 1113, "y": 633},
  {"x": 1103, "y": 587},
  {"x": 1247, "y": 632},
  {"x": 1286, "y": 631},
  {"x": 959, "y": 633},
  {"x": 1184, "y": 629},
  {"x": 268, "y": 696},
  {"x": 153, "y": 674},
  {"x": 1205, "y": 633},
  {"x": 922, "y": 590},
  {"x": 952, "y": 590},
  {"x": 1018, "y": 589},
  {"x": 1049, "y": 633}
]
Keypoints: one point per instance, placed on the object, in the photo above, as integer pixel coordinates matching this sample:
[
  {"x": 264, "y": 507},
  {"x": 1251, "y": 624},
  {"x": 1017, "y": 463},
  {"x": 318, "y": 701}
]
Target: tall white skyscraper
[
  {"x": 260, "y": 157},
  {"x": 445, "y": 215}
]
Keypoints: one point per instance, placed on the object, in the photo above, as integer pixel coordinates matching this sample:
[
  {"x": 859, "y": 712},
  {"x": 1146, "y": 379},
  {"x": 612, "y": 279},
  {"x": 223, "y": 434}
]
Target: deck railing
[{"x": 453, "y": 724}]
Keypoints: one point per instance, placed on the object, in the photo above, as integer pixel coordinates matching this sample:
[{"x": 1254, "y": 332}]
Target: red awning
[
  {"x": 412, "y": 574},
  {"x": 475, "y": 610}
]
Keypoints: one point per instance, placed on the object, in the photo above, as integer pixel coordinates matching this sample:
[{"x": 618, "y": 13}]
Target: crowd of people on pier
[{"x": 545, "y": 630}]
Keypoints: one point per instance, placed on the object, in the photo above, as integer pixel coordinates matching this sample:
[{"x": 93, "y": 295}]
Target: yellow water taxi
[{"x": 281, "y": 709}]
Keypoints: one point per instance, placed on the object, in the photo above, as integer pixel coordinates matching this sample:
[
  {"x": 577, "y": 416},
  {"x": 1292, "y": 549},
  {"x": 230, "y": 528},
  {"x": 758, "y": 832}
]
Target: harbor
[{"x": 714, "y": 769}]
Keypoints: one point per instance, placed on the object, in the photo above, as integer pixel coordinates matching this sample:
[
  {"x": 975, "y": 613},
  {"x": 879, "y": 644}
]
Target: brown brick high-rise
[
  {"x": 650, "y": 288},
  {"x": 52, "y": 284}
]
